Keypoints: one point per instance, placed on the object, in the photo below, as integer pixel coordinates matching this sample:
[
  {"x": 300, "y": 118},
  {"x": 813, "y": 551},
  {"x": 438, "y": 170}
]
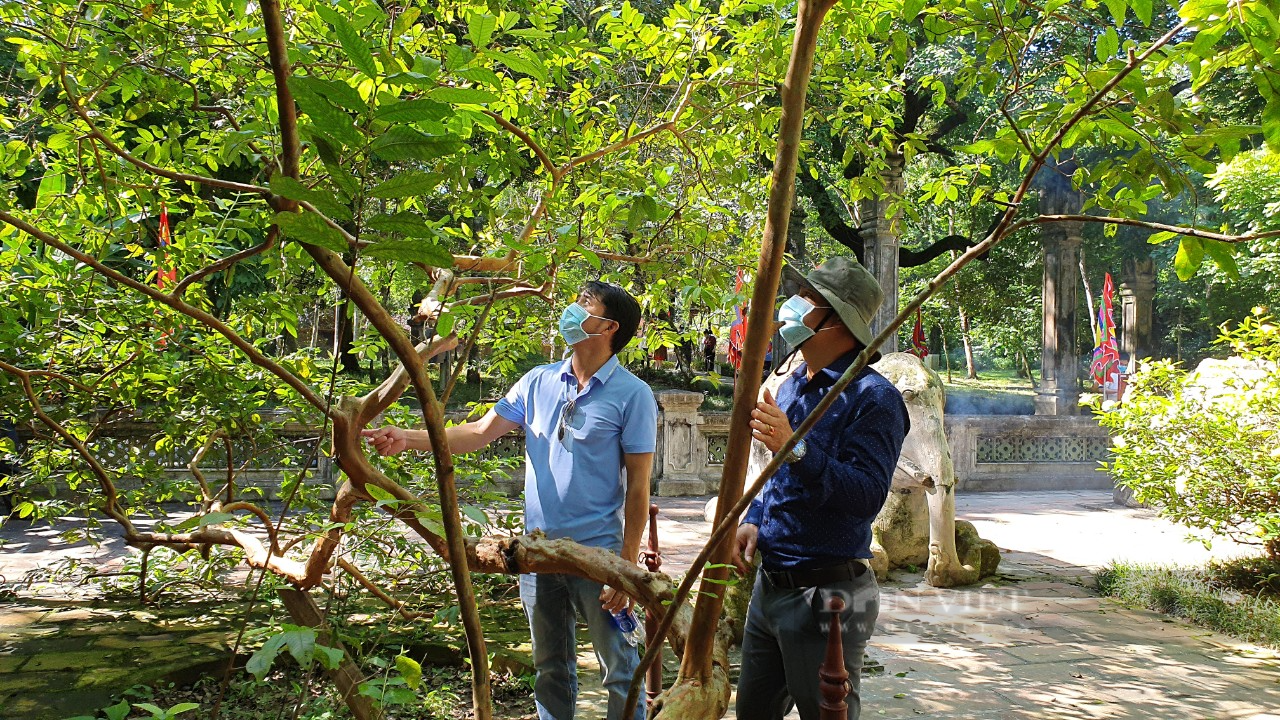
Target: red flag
[
  {"x": 166, "y": 274},
  {"x": 738, "y": 330},
  {"x": 918, "y": 346},
  {"x": 1106, "y": 356}
]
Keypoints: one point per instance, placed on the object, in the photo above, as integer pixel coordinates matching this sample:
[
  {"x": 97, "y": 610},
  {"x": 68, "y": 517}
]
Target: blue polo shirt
[
  {"x": 818, "y": 510},
  {"x": 575, "y": 487}
]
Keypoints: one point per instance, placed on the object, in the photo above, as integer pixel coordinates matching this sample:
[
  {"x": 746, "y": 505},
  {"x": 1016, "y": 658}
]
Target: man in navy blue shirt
[
  {"x": 811, "y": 523},
  {"x": 590, "y": 430}
]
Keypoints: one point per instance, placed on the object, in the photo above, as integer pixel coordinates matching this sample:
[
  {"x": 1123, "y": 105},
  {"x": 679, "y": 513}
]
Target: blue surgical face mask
[
  {"x": 571, "y": 324},
  {"x": 792, "y": 315}
]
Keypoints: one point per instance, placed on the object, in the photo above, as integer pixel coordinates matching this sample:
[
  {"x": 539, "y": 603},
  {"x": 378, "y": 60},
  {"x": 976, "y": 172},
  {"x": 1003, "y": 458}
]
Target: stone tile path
[{"x": 1034, "y": 642}]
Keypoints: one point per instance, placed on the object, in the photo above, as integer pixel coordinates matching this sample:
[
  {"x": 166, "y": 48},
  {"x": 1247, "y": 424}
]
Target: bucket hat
[{"x": 852, "y": 291}]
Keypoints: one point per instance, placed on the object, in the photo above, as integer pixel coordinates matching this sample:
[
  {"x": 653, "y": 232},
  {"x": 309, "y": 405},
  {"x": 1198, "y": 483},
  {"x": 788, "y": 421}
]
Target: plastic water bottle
[{"x": 629, "y": 624}]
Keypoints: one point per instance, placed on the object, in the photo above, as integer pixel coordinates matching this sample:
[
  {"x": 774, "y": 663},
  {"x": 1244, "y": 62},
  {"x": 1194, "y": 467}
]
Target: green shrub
[
  {"x": 1207, "y": 456},
  {"x": 1195, "y": 594}
]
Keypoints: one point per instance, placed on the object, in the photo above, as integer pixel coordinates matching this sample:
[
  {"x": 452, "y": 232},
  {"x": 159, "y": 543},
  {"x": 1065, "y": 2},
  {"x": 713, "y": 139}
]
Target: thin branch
[
  {"x": 272, "y": 236},
  {"x": 101, "y": 137},
  {"x": 526, "y": 139},
  {"x": 372, "y": 587},
  {"x": 1179, "y": 229},
  {"x": 254, "y": 355}
]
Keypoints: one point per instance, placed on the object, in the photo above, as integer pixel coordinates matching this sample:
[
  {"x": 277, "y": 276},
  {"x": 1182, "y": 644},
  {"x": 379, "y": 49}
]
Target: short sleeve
[
  {"x": 512, "y": 406},
  {"x": 640, "y": 428}
]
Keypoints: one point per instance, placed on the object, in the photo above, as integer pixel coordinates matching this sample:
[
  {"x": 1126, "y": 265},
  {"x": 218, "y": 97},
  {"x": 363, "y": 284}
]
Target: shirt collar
[
  {"x": 601, "y": 377},
  {"x": 827, "y": 375}
]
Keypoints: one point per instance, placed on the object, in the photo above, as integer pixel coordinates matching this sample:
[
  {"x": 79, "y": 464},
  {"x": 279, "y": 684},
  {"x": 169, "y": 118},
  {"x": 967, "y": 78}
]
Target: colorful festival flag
[
  {"x": 918, "y": 346},
  {"x": 738, "y": 330},
  {"x": 165, "y": 274},
  {"x": 1106, "y": 353}
]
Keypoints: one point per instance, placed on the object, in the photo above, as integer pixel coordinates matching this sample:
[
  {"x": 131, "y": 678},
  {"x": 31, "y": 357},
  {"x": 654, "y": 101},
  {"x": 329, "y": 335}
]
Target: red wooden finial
[{"x": 833, "y": 679}]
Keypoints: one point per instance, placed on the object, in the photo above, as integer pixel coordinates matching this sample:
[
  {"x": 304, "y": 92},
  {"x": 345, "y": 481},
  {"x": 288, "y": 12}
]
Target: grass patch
[{"x": 1209, "y": 596}]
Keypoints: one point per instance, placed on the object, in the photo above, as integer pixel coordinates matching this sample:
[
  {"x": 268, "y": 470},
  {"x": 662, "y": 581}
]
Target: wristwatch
[{"x": 797, "y": 452}]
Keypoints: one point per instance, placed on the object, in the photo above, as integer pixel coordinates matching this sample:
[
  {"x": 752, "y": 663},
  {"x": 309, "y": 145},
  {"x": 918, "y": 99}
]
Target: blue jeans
[
  {"x": 785, "y": 641},
  {"x": 553, "y": 603}
]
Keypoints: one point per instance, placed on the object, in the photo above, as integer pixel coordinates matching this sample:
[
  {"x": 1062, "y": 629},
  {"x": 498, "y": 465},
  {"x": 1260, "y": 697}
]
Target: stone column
[
  {"x": 684, "y": 451},
  {"x": 880, "y": 237},
  {"x": 1059, "y": 391},
  {"x": 1136, "y": 293}
]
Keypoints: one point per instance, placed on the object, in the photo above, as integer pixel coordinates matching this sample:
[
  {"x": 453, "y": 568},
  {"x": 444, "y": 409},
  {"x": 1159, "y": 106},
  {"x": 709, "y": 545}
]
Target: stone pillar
[
  {"x": 683, "y": 449},
  {"x": 1136, "y": 293},
  {"x": 880, "y": 237},
  {"x": 1059, "y": 391}
]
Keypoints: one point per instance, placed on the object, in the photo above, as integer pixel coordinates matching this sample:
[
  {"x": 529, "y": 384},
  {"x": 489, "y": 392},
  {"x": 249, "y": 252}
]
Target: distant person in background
[{"x": 708, "y": 350}]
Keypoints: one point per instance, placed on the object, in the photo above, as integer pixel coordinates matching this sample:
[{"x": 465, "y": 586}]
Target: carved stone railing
[{"x": 990, "y": 452}]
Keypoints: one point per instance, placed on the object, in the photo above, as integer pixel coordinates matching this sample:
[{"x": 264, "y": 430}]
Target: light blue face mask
[
  {"x": 792, "y": 315},
  {"x": 571, "y": 324}
]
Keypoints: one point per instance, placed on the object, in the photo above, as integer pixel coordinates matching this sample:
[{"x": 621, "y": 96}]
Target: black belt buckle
[{"x": 814, "y": 577}]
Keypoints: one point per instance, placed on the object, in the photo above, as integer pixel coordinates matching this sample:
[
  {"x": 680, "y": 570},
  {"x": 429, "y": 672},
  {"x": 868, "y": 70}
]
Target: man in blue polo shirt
[
  {"x": 812, "y": 521},
  {"x": 590, "y": 430}
]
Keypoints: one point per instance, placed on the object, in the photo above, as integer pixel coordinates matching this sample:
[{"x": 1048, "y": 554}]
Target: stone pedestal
[
  {"x": 682, "y": 455},
  {"x": 1059, "y": 391},
  {"x": 880, "y": 235},
  {"x": 1136, "y": 293}
]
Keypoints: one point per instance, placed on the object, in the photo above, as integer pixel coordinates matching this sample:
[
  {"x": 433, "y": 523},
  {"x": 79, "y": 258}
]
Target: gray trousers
[{"x": 785, "y": 641}]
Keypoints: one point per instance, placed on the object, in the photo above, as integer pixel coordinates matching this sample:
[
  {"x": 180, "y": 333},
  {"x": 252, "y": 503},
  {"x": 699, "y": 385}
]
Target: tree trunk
[
  {"x": 347, "y": 677},
  {"x": 702, "y": 689},
  {"x": 971, "y": 370}
]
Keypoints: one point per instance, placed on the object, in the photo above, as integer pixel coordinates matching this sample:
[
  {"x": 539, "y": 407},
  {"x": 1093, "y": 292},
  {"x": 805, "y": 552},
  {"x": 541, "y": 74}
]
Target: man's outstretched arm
[{"x": 465, "y": 438}]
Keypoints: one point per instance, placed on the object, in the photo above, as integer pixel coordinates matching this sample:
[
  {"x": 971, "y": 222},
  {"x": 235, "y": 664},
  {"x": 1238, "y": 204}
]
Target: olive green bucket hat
[{"x": 853, "y": 292}]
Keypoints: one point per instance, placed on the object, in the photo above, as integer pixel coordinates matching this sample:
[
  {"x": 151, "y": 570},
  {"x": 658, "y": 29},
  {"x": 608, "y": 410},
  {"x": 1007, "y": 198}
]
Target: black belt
[{"x": 813, "y": 577}]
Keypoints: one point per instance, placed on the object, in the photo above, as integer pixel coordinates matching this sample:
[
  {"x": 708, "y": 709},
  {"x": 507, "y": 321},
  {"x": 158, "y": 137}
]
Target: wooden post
[
  {"x": 833, "y": 679},
  {"x": 304, "y": 611},
  {"x": 652, "y": 561}
]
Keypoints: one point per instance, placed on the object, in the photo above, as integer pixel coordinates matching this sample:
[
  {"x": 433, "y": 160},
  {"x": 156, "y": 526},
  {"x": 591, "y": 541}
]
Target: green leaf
[
  {"x": 1142, "y": 9},
  {"x": 912, "y": 8},
  {"x": 335, "y": 91},
  {"x": 482, "y": 75},
  {"x": 405, "y": 223},
  {"x": 475, "y": 514},
  {"x": 1193, "y": 10},
  {"x": 1190, "y": 255},
  {"x": 356, "y": 48},
  {"x": 1117, "y": 8},
  {"x": 1157, "y": 238},
  {"x": 378, "y": 493},
  {"x": 1108, "y": 44},
  {"x": 462, "y": 96},
  {"x": 330, "y": 658},
  {"x": 524, "y": 61},
  {"x": 530, "y": 33},
  {"x": 456, "y": 57},
  {"x": 119, "y": 711},
  {"x": 480, "y": 27},
  {"x": 288, "y": 187},
  {"x": 414, "y": 111},
  {"x": 1271, "y": 124},
  {"x": 1223, "y": 255},
  {"x": 408, "y": 184},
  {"x": 401, "y": 144},
  {"x": 418, "y": 250},
  {"x": 260, "y": 662},
  {"x": 325, "y": 117},
  {"x": 410, "y": 669},
  {"x": 301, "y": 642},
  {"x": 309, "y": 228},
  {"x": 214, "y": 518},
  {"x": 155, "y": 710},
  {"x": 183, "y": 707}
]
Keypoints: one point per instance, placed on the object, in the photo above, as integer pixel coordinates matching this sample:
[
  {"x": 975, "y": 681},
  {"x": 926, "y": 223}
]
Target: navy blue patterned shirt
[{"x": 818, "y": 511}]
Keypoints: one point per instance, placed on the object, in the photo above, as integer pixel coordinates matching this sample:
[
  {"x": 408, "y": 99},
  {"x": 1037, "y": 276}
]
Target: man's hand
[
  {"x": 389, "y": 440},
  {"x": 769, "y": 424},
  {"x": 614, "y": 600},
  {"x": 746, "y": 553}
]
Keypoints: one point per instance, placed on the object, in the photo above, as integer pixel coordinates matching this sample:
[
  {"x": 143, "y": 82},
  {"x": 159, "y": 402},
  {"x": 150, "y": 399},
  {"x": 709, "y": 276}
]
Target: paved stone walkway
[{"x": 1034, "y": 642}]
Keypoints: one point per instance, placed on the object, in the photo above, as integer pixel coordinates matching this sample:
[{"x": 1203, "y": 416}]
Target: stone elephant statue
[{"x": 918, "y": 522}]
